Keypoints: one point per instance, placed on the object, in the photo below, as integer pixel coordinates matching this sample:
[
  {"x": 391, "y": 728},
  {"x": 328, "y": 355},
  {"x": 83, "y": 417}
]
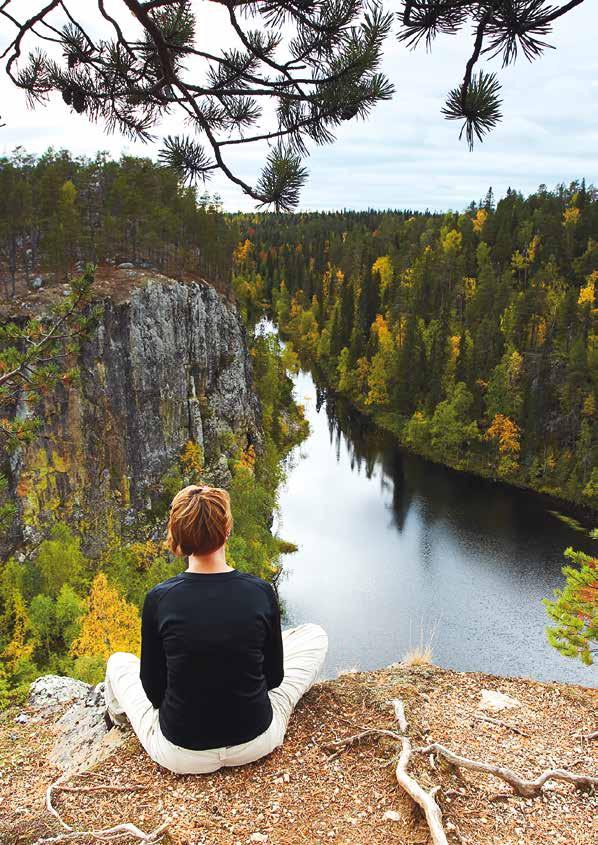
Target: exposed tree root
[
  {"x": 525, "y": 788},
  {"x": 106, "y": 834},
  {"x": 341, "y": 744},
  {"x": 425, "y": 800},
  {"x": 498, "y": 722}
]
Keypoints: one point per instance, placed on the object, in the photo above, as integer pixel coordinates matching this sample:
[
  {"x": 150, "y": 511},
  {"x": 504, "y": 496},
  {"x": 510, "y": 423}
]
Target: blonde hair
[{"x": 200, "y": 520}]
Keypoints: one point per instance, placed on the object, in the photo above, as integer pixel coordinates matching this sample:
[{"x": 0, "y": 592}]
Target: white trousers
[{"x": 305, "y": 649}]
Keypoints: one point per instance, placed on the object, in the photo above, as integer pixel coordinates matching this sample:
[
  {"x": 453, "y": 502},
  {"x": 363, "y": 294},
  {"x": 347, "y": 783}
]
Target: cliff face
[{"x": 167, "y": 364}]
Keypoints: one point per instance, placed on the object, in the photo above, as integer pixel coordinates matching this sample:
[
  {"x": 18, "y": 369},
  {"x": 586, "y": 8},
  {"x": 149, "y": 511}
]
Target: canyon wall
[{"x": 167, "y": 363}]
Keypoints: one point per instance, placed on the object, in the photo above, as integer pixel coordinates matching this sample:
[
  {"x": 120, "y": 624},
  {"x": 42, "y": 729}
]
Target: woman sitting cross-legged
[{"x": 217, "y": 680}]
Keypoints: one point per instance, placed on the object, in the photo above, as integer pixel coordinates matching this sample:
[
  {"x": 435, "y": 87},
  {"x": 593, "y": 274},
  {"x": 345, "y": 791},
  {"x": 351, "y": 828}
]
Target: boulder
[
  {"x": 36, "y": 283},
  {"x": 83, "y": 738},
  {"x": 126, "y": 265},
  {"x": 51, "y": 691}
]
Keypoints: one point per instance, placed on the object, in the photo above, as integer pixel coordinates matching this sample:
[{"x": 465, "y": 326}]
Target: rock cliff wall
[{"x": 168, "y": 363}]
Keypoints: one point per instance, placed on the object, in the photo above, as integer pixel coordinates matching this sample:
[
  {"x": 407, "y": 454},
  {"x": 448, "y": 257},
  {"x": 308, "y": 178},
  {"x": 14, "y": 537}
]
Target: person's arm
[
  {"x": 273, "y": 653},
  {"x": 153, "y": 659}
]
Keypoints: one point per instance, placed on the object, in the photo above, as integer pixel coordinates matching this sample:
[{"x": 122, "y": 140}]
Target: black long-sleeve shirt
[{"x": 211, "y": 648}]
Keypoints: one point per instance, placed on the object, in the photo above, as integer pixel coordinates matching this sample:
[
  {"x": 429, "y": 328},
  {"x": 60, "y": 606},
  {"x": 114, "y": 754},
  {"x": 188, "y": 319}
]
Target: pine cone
[
  {"x": 79, "y": 101},
  {"x": 349, "y": 112}
]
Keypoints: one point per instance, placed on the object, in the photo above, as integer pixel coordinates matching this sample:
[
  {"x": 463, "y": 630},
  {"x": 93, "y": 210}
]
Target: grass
[{"x": 422, "y": 653}]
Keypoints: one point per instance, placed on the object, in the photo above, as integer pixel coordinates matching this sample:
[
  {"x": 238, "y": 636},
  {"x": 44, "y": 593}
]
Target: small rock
[
  {"x": 36, "y": 283},
  {"x": 392, "y": 816},
  {"x": 258, "y": 837},
  {"x": 126, "y": 265},
  {"x": 495, "y": 701},
  {"x": 22, "y": 718}
]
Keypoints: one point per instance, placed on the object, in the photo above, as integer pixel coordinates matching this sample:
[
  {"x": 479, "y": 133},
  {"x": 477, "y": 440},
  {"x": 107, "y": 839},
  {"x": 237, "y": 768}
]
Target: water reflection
[{"x": 393, "y": 548}]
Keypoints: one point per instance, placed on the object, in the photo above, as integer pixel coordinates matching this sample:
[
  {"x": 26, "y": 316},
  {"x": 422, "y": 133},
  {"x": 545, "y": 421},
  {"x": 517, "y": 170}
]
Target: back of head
[{"x": 200, "y": 520}]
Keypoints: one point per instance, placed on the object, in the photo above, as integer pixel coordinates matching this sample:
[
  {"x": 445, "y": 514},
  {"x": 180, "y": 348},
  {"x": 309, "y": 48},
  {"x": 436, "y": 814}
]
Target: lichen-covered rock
[
  {"x": 82, "y": 737},
  {"x": 51, "y": 691},
  {"x": 167, "y": 363}
]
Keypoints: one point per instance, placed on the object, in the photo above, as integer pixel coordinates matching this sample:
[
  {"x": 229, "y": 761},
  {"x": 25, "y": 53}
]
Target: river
[{"x": 395, "y": 550}]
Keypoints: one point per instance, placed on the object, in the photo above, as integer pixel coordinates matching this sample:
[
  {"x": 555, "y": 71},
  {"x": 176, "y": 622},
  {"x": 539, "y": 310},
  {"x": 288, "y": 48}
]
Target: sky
[{"x": 406, "y": 155}]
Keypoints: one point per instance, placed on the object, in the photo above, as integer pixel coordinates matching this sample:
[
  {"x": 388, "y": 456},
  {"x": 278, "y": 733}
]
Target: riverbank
[
  {"x": 396, "y": 425},
  {"x": 300, "y": 795},
  {"x": 417, "y": 553}
]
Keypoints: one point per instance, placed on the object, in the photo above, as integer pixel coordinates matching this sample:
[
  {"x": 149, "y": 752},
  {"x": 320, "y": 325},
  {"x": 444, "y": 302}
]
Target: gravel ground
[{"x": 298, "y": 795}]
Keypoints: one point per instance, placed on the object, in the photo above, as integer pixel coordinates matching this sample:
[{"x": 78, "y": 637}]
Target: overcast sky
[{"x": 406, "y": 155}]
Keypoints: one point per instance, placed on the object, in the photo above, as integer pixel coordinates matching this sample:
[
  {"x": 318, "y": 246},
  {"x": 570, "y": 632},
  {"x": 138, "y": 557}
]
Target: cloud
[{"x": 405, "y": 155}]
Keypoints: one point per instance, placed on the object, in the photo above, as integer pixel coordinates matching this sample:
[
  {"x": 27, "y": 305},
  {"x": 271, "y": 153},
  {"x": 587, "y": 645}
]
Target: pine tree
[{"x": 575, "y": 609}]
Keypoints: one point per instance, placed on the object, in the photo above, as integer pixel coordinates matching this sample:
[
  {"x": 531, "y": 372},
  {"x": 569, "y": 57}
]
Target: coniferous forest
[
  {"x": 404, "y": 401},
  {"x": 57, "y": 209},
  {"x": 471, "y": 335}
]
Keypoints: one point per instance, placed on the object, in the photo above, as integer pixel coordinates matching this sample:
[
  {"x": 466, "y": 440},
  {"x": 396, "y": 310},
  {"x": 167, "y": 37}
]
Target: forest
[
  {"x": 57, "y": 210},
  {"x": 471, "y": 335},
  {"x": 62, "y": 609}
]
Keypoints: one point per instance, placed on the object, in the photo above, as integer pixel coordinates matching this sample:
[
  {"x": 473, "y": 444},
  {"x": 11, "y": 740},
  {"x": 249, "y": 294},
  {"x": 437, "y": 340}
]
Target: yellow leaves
[
  {"x": 18, "y": 648},
  {"x": 589, "y": 406},
  {"x": 522, "y": 261},
  {"x": 383, "y": 266},
  {"x": 144, "y": 553},
  {"x": 515, "y": 366},
  {"x": 111, "y": 623},
  {"x": 192, "y": 460},
  {"x": 247, "y": 459},
  {"x": 479, "y": 220},
  {"x": 377, "y": 382},
  {"x": 587, "y": 295},
  {"x": 533, "y": 248},
  {"x": 451, "y": 242},
  {"x": 469, "y": 286},
  {"x": 518, "y": 261},
  {"x": 296, "y": 309},
  {"x": 454, "y": 348},
  {"x": 571, "y": 217},
  {"x": 243, "y": 252},
  {"x": 382, "y": 332},
  {"x": 290, "y": 359},
  {"x": 362, "y": 371},
  {"x": 507, "y": 433},
  {"x": 407, "y": 278},
  {"x": 59, "y": 463}
]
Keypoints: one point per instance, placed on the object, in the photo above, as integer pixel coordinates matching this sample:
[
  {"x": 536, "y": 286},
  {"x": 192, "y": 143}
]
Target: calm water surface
[{"x": 393, "y": 549}]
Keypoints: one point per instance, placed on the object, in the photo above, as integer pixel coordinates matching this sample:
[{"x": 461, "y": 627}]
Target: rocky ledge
[{"x": 316, "y": 789}]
